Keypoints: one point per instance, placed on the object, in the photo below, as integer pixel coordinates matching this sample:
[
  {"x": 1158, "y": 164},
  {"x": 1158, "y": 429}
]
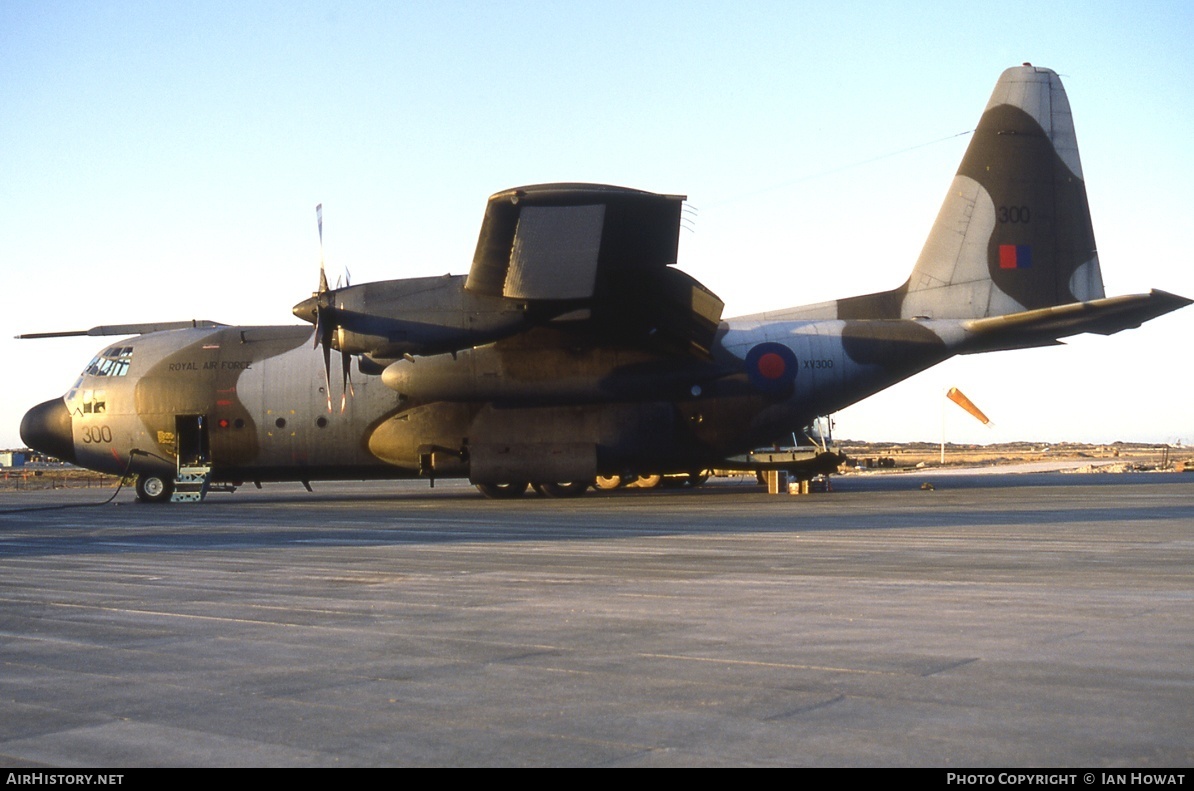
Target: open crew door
[{"x": 194, "y": 458}]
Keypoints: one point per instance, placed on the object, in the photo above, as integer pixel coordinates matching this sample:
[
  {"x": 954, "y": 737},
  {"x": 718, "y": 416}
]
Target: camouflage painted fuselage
[
  {"x": 261, "y": 392},
  {"x": 574, "y": 348}
]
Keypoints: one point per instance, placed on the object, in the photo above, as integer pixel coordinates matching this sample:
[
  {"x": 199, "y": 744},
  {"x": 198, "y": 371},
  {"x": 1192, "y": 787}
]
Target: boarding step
[{"x": 191, "y": 484}]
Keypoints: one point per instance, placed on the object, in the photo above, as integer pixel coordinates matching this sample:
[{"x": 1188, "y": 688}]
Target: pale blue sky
[{"x": 162, "y": 161}]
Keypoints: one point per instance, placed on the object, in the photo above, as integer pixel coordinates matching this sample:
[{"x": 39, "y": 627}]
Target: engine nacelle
[{"x": 550, "y": 376}]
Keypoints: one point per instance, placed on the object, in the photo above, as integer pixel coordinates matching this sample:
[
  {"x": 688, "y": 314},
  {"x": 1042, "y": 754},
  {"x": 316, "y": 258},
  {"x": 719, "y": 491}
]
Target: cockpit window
[
  {"x": 111, "y": 362},
  {"x": 95, "y": 402}
]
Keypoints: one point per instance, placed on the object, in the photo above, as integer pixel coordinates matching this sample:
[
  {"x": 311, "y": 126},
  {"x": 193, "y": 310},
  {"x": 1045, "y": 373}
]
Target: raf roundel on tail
[{"x": 575, "y": 349}]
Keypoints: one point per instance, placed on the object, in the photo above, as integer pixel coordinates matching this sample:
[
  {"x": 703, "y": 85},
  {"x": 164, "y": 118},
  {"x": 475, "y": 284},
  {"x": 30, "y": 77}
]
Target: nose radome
[{"x": 48, "y": 428}]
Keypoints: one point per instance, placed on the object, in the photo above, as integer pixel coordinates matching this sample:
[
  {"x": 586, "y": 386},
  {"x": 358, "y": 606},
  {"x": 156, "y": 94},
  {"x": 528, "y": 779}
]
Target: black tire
[
  {"x": 562, "y": 490},
  {"x": 154, "y": 488},
  {"x": 502, "y": 491}
]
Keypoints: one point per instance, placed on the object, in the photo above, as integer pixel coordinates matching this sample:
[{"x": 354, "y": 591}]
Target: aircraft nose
[{"x": 48, "y": 428}]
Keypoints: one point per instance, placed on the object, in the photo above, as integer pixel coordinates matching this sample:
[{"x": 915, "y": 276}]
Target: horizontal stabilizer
[
  {"x": 126, "y": 329},
  {"x": 1043, "y": 327}
]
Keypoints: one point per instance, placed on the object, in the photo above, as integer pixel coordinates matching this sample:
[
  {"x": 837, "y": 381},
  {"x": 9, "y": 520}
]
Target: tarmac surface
[{"x": 1001, "y": 620}]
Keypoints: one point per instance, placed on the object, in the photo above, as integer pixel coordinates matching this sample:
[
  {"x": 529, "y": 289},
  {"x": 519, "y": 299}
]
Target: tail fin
[
  {"x": 1012, "y": 252},
  {"x": 1014, "y": 233}
]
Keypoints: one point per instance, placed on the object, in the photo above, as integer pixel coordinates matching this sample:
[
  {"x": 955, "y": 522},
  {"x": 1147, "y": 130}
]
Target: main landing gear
[
  {"x": 507, "y": 491},
  {"x": 559, "y": 490},
  {"x": 690, "y": 480}
]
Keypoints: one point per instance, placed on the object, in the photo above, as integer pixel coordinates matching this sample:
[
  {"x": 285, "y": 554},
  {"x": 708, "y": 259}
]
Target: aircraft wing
[
  {"x": 599, "y": 259},
  {"x": 564, "y": 241},
  {"x": 1044, "y": 326}
]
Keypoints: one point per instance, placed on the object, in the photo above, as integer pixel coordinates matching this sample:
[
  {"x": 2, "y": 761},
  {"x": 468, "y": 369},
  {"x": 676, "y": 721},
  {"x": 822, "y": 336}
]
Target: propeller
[
  {"x": 346, "y": 388},
  {"x": 325, "y": 328}
]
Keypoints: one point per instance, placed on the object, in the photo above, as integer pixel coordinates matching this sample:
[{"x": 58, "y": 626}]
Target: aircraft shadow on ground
[{"x": 441, "y": 516}]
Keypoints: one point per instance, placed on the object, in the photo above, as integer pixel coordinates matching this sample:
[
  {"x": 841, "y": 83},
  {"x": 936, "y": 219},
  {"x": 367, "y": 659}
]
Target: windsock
[{"x": 961, "y": 400}]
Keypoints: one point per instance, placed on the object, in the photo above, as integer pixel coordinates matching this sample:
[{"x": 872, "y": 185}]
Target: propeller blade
[
  {"x": 323, "y": 278},
  {"x": 327, "y": 372},
  {"x": 323, "y": 337},
  {"x": 346, "y": 388},
  {"x": 326, "y": 326}
]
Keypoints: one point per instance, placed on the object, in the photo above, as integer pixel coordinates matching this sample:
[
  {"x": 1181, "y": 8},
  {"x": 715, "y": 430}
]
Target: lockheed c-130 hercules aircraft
[{"x": 575, "y": 349}]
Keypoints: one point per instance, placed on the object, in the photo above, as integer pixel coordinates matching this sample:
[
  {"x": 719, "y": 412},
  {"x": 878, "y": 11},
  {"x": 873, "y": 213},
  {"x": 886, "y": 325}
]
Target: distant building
[{"x": 12, "y": 458}]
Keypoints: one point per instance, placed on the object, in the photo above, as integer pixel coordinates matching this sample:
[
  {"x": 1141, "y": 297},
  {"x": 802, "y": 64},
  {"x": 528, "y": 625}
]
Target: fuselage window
[
  {"x": 95, "y": 402},
  {"x": 74, "y": 389}
]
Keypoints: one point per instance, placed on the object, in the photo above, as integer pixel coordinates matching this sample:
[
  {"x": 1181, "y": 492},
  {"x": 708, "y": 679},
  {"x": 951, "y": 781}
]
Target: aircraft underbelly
[{"x": 493, "y": 442}]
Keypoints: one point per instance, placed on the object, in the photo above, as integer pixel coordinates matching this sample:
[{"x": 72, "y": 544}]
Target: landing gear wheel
[
  {"x": 562, "y": 490},
  {"x": 608, "y": 483},
  {"x": 648, "y": 482},
  {"x": 697, "y": 479},
  {"x": 154, "y": 488},
  {"x": 502, "y": 491}
]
